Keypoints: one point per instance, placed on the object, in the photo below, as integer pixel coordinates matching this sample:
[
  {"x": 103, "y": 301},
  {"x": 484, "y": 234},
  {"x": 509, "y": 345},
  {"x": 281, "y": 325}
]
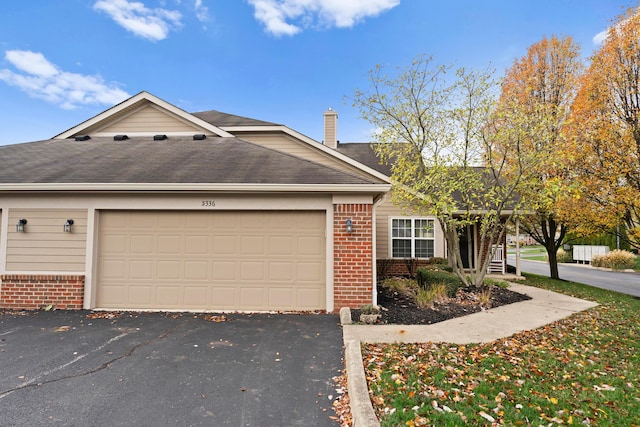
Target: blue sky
[{"x": 285, "y": 61}]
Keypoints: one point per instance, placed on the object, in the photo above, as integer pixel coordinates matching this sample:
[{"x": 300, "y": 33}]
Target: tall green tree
[
  {"x": 539, "y": 90},
  {"x": 446, "y": 144}
]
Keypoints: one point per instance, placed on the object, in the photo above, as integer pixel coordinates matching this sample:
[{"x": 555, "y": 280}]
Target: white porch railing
[{"x": 497, "y": 264}]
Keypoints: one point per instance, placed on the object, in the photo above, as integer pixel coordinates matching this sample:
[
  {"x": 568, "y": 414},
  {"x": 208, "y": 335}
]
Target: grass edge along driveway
[{"x": 582, "y": 370}]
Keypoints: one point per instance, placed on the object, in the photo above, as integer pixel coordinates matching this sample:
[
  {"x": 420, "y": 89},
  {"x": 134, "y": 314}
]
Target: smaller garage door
[{"x": 212, "y": 260}]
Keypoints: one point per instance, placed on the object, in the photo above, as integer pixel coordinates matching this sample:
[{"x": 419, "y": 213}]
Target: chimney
[{"x": 331, "y": 129}]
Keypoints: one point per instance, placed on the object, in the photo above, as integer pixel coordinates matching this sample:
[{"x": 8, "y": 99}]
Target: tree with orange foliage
[
  {"x": 537, "y": 93},
  {"x": 606, "y": 131}
]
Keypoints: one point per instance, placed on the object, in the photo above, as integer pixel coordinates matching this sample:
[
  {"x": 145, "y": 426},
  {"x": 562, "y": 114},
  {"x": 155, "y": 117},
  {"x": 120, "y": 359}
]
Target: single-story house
[{"x": 148, "y": 207}]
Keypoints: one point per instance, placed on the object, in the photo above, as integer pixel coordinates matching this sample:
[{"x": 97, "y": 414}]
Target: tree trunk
[{"x": 553, "y": 260}]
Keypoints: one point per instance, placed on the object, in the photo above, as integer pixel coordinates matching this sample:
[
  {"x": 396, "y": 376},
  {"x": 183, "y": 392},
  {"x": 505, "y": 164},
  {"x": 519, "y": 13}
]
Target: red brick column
[
  {"x": 352, "y": 255},
  {"x": 33, "y": 291}
]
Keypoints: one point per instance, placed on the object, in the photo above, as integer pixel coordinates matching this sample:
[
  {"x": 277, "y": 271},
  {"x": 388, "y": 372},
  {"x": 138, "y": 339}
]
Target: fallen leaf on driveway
[{"x": 62, "y": 328}]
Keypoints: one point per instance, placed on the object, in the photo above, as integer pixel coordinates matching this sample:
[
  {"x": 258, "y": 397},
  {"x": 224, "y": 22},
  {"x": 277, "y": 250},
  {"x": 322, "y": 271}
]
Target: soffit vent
[
  {"x": 159, "y": 137},
  {"x": 199, "y": 137},
  {"x": 120, "y": 138},
  {"x": 82, "y": 137}
]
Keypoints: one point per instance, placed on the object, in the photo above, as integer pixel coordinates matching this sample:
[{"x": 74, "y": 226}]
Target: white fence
[{"x": 585, "y": 253}]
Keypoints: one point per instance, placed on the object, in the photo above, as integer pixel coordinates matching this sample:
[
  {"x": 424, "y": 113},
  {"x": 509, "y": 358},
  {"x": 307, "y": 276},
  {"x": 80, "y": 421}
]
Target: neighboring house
[{"x": 148, "y": 207}]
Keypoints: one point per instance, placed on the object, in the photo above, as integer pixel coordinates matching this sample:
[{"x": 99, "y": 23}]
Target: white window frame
[{"x": 412, "y": 238}]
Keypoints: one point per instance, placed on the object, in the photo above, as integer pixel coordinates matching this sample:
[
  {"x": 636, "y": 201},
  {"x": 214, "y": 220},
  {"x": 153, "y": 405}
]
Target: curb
[{"x": 362, "y": 411}]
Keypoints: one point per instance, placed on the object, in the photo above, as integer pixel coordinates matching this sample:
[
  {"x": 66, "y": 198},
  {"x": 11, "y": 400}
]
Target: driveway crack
[{"x": 35, "y": 383}]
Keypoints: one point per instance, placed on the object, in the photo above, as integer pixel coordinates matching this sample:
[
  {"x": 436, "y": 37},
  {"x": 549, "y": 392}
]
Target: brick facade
[
  {"x": 352, "y": 255},
  {"x": 32, "y": 292}
]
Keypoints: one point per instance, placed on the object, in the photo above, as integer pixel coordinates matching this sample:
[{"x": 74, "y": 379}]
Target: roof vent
[
  {"x": 159, "y": 137},
  {"x": 120, "y": 138},
  {"x": 82, "y": 137},
  {"x": 199, "y": 137}
]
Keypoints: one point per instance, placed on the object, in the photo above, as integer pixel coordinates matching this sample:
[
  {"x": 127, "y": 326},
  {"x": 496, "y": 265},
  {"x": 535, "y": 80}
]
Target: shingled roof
[
  {"x": 220, "y": 119},
  {"x": 363, "y": 153},
  {"x": 174, "y": 160}
]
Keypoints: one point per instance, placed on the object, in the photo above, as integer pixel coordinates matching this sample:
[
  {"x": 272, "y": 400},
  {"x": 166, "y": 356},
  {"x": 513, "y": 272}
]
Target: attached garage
[
  {"x": 223, "y": 260},
  {"x": 168, "y": 210}
]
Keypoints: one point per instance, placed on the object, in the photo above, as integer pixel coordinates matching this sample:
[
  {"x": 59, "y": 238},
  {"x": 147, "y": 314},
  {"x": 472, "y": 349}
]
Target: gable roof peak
[{"x": 133, "y": 102}]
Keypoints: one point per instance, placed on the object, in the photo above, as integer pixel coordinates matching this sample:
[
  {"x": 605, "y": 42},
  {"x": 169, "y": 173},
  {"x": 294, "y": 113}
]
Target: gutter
[{"x": 198, "y": 187}]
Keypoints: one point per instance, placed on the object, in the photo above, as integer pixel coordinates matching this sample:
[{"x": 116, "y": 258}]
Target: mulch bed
[{"x": 400, "y": 309}]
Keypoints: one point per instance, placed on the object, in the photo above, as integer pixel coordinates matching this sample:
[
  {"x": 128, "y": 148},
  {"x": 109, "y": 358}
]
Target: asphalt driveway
[{"x": 65, "y": 368}]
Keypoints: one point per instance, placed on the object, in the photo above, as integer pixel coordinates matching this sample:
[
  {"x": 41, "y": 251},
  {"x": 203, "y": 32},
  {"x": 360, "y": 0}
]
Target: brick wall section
[
  {"x": 352, "y": 256},
  {"x": 33, "y": 292}
]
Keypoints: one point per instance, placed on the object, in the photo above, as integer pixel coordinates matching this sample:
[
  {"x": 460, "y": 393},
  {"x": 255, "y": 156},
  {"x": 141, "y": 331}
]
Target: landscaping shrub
[
  {"x": 564, "y": 256},
  {"x": 427, "y": 278},
  {"x": 399, "y": 284},
  {"x": 437, "y": 292},
  {"x": 617, "y": 260},
  {"x": 437, "y": 261}
]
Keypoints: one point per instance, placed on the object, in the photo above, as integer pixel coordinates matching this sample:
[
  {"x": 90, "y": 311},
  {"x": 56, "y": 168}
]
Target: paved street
[
  {"x": 153, "y": 369},
  {"x": 628, "y": 283}
]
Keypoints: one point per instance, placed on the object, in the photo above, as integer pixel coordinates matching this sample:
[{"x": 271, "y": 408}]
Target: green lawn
[
  {"x": 531, "y": 253},
  {"x": 583, "y": 370}
]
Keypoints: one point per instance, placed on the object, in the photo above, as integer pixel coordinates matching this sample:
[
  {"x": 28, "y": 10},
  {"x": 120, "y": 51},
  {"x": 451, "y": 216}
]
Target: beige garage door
[{"x": 211, "y": 260}]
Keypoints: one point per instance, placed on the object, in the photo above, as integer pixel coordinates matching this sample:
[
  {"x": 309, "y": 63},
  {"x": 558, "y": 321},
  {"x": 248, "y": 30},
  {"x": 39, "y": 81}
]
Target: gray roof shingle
[
  {"x": 220, "y": 119},
  {"x": 174, "y": 160},
  {"x": 363, "y": 153}
]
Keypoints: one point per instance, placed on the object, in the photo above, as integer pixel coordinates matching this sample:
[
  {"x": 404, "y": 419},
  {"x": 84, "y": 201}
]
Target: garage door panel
[
  {"x": 170, "y": 244},
  {"x": 281, "y": 272},
  {"x": 251, "y": 298},
  {"x": 282, "y": 245},
  {"x": 115, "y": 269},
  {"x": 312, "y": 246},
  {"x": 139, "y": 269},
  {"x": 224, "y": 270},
  {"x": 168, "y": 296},
  {"x": 141, "y": 295},
  {"x": 196, "y": 296},
  {"x": 224, "y": 245},
  {"x": 168, "y": 270},
  {"x": 112, "y": 295},
  {"x": 196, "y": 270},
  {"x": 252, "y": 245},
  {"x": 142, "y": 244},
  {"x": 272, "y": 260},
  {"x": 309, "y": 271},
  {"x": 306, "y": 298},
  {"x": 113, "y": 244},
  {"x": 196, "y": 245},
  {"x": 280, "y": 297},
  {"x": 224, "y": 298},
  {"x": 252, "y": 270}
]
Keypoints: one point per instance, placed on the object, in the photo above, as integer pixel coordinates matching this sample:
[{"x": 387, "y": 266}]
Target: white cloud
[
  {"x": 599, "y": 38},
  {"x": 151, "y": 24},
  {"x": 41, "y": 79},
  {"x": 274, "y": 14},
  {"x": 202, "y": 12}
]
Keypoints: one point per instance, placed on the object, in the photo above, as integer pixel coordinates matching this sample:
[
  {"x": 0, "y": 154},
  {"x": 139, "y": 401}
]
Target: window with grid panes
[{"x": 412, "y": 238}]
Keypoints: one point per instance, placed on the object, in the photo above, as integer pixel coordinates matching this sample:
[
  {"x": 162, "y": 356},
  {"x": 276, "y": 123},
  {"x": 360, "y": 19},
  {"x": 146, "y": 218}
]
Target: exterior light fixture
[
  {"x": 20, "y": 225},
  {"x": 349, "y": 226},
  {"x": 67, "y": 226}
]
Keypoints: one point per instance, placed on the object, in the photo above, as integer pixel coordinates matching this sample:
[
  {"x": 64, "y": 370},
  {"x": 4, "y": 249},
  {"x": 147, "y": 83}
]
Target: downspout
[{"x": 374, "y": 241}]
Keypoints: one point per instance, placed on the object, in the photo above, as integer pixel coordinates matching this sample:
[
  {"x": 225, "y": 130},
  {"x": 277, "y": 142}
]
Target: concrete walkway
[{"x": 545, "y": 307}]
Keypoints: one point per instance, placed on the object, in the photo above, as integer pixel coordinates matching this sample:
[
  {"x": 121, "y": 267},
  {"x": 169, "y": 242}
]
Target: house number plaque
[{"x": 208, "y": 203}]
